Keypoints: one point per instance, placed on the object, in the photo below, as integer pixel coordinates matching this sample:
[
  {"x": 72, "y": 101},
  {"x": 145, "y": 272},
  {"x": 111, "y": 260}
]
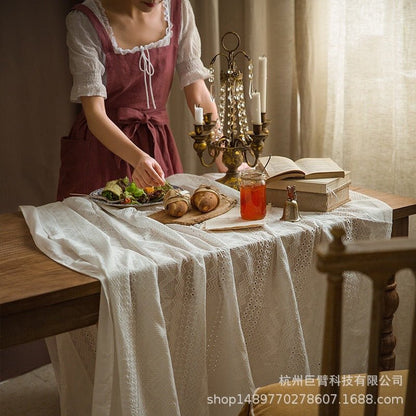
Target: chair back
[{"x": 379, "y": 260}]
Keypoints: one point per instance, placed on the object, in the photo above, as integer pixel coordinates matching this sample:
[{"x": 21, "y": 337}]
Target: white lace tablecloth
[{"x": 188, "y": 317}]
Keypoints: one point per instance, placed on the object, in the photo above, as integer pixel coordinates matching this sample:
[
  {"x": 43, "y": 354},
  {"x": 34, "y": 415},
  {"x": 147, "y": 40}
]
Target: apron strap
[{"x": 99, "y": 28}]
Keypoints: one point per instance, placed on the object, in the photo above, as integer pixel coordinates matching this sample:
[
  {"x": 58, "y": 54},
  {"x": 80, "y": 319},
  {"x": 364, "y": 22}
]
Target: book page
[
  {"x": 320, "y": 167},
  {"x": 320, "y": 185},
  {"x": 280, "y": 165}
]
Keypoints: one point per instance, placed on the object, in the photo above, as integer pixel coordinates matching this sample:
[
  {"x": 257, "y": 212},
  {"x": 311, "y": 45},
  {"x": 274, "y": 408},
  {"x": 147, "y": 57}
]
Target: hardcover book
[
  {"x": 320, "y": 186},
  {"x": 310, "y": 201},
  {"x": 280, "y": 167}
]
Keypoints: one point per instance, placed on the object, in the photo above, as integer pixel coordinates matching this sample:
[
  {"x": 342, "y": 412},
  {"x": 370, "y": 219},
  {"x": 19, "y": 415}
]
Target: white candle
[
  {"x": 199, "y": 116},
  {"x": 255, "y": 108},
  {"x": 263, "y": 81}
]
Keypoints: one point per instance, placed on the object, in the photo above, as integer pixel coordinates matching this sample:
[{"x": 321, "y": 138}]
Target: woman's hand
[
  {"x": 220, "y": 164},
  {"x": 148, "y": 172}
]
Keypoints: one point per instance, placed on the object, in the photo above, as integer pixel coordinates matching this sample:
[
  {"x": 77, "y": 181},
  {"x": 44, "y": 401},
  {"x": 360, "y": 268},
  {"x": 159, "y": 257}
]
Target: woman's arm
[
  {"x": 197, "y": 94},
  {"x": 147, "y": 172}
]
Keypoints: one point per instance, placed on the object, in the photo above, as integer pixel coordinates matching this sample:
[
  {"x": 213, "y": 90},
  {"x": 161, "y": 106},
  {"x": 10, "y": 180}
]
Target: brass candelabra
[{"x": 230, "y": 135}]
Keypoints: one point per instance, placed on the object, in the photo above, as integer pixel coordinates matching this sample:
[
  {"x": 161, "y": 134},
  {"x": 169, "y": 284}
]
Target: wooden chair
[{"x": 394, "y": 391}]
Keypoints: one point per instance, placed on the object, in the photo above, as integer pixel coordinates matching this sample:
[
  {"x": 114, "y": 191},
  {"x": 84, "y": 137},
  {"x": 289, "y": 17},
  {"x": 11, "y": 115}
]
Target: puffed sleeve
[
  {"x": 86, "y": 59},
  {"x": 189, "y": 65}
]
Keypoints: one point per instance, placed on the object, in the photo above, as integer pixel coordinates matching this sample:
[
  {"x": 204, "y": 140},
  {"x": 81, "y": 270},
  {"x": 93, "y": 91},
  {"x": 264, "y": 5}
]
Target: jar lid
[{"x": 252, "y": 174}]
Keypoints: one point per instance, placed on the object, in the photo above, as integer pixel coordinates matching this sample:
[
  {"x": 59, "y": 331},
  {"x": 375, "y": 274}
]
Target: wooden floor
[{"x": 31, "y": 394}]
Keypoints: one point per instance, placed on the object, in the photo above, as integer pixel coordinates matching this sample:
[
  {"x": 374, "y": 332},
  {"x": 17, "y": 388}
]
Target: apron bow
[{"x": 131, "y": 119}]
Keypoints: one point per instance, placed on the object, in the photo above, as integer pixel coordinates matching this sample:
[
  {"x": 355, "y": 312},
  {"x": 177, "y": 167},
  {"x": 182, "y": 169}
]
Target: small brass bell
[{"x": 291, "y": 209}]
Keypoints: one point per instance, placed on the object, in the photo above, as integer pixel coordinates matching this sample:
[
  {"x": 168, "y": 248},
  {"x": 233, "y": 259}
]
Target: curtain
[
  {"x": 341, "y": 80},
  {"x": 371, "y": 109}
]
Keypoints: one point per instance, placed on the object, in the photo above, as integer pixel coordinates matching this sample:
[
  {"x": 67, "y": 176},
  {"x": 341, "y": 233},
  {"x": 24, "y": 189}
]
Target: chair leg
[{"x": 388, "y": 340}]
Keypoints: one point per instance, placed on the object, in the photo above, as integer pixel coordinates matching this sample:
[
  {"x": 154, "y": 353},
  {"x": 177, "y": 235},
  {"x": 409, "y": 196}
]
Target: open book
[
  {"x": 280, "y": 167},
  {"x": 319, "y": 186}
]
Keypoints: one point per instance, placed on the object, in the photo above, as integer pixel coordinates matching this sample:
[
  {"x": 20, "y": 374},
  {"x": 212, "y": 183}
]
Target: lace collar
[{"x": 161, "y": 42}]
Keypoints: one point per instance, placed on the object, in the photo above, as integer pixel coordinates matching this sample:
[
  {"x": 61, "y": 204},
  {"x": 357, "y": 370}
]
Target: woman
[{"x": 123, "y": 54}]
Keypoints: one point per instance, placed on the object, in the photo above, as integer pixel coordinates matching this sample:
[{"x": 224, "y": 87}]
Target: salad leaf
[
  {"x": 129, "y": 193},
  {"x": 134, "y": 190}
]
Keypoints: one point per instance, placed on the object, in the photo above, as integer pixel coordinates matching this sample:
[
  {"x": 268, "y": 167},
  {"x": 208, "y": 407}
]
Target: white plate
[{"x": 97, "y": 197}]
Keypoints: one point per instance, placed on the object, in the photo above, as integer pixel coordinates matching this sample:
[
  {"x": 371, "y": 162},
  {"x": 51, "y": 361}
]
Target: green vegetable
[
  {"x": 160, "y": 191},
  {"x": 129, "y": 193},
  {"x": 134, "y": 190},
  {"x": 165, "y": 187}
]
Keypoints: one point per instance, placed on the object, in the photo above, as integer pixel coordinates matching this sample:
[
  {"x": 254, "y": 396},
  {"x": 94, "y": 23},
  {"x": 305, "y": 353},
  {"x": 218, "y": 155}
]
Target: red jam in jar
[{"x": 252, "y": 195}]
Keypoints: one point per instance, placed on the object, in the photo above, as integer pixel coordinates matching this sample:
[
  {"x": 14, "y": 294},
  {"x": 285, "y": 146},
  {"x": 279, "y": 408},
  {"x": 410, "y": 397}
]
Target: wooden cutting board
[{"x": 194, "y": 216}]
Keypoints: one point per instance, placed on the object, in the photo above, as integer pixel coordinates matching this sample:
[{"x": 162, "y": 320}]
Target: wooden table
[
  {"x": 403, "y": 207},
  {"x": 40, "y": 298}
]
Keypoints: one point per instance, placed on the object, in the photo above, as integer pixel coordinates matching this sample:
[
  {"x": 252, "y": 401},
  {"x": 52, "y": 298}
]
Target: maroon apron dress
[{"x": 86, "y": 164}]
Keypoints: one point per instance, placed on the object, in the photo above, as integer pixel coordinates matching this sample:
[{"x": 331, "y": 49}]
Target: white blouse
[{"x": 87, "y": 59}]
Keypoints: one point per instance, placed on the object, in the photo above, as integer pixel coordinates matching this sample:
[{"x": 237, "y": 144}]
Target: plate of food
[{"x": 125, "y": 193}]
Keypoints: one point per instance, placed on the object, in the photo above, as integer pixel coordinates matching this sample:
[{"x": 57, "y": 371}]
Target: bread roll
[
  {"x": 177, "y": 202},
  {"x": 177, "y": 209},
  {"x": 205, "y": 198}
]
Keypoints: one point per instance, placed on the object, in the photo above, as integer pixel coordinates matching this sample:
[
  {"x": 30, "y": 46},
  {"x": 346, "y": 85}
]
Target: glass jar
[{"x": 252, "y": 195}]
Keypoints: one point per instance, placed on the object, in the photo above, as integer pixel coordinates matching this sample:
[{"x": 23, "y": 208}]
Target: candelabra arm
[
  {"x": 258, "y": 136},
  {"x": 203, "y": 143},
  {"x": 246, "y": 159}
]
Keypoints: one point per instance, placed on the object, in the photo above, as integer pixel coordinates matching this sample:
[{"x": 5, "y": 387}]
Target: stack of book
[{"x": 321, "y": 185}]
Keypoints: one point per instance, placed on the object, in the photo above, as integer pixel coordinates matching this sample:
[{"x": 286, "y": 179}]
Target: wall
[
  {"x": 34, "y": 105},
  {"x": 34, "y": 113}
]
